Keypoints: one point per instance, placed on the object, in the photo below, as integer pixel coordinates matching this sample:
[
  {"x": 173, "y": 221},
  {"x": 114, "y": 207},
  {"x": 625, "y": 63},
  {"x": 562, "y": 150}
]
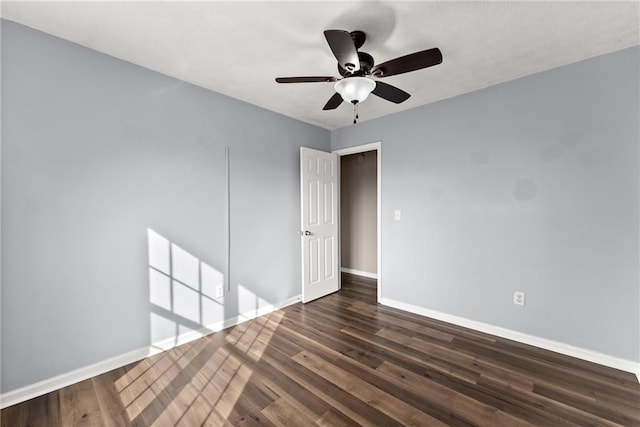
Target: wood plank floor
[{"x": 344, "y": 360}]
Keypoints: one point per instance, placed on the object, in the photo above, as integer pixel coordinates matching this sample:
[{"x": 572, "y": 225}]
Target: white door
[{"x": 319, "y": 199}]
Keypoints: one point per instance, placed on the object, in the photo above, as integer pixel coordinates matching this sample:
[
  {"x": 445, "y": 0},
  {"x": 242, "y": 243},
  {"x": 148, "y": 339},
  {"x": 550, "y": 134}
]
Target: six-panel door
[{"x": 319, "y": 199}]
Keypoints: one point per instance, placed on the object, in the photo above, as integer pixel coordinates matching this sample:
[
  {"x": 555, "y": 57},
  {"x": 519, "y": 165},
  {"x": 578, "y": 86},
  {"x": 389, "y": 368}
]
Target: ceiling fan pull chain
[{"x": 355, "y": 112}]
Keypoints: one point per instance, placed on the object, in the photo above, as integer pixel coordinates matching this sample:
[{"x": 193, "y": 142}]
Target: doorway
[{"x": 360, "y": 205}]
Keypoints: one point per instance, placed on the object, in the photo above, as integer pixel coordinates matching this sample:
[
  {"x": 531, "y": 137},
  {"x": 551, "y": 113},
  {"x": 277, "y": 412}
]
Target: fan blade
[
  {"x": 333, "y": 102},
  {"x": 390, "y": 93},
  {"x": 305, "y": 79},
  {"x": 411, "y": 62},
  {"x": 343, "y": 49}
]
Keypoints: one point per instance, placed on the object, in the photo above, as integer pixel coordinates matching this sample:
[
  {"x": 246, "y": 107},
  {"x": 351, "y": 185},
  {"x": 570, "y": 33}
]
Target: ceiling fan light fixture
[{"x": 355, "y": 89}]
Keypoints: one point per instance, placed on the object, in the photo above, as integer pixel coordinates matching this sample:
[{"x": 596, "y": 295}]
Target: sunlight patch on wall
[
  {"x": 249, "y": 304},
  {"x": 182, "y": 293}
]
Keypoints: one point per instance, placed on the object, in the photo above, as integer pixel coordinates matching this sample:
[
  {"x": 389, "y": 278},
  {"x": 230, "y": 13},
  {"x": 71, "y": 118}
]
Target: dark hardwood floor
[{"x": 344, "y": 360}]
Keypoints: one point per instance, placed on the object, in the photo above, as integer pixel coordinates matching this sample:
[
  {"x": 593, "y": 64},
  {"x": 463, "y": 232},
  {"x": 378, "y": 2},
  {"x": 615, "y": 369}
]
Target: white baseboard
[
  {"x": 46, "y": 386},
  {"x": 558, "y": 347},
  {"x": 51, "y": 384},
  {"x": 359, "y": 273}
]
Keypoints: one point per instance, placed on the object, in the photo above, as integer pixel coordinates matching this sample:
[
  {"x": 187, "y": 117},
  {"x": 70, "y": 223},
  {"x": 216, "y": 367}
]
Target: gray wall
[
  {"x": 530, "y": 185},
  {"x": 96, "y": 151},
  {"x": 359, "y": 212}
]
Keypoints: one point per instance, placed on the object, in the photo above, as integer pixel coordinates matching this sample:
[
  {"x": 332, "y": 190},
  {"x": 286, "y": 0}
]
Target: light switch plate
[{"x": 397, "y": 214}]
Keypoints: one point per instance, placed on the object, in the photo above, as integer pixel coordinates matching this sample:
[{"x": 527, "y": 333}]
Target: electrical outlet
[
  {"x": 518, "y": 298},
  {"x": 219, "y": 291}
]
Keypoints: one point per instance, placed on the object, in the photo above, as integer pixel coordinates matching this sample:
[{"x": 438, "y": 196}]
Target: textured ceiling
[{"x": 238, "y": 48}]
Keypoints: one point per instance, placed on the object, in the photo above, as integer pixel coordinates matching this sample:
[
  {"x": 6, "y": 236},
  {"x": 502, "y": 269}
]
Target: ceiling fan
[{"x": 358, "y": 71}]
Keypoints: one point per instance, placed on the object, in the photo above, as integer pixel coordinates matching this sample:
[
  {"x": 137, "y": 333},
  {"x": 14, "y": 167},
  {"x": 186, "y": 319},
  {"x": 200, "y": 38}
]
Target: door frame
[{"x": 374, "y": 146}]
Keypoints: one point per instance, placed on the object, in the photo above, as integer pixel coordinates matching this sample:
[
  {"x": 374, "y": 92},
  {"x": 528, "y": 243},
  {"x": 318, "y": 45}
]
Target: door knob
[{"x": 305, "y": 233}]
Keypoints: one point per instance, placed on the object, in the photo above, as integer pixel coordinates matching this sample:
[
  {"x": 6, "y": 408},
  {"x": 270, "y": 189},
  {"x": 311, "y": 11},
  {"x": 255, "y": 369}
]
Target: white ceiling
[{"x": 238, "y": 48}]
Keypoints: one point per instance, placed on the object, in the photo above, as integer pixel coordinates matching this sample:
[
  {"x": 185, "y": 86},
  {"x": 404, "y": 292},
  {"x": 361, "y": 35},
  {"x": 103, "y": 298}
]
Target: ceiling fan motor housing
[{"x": 366, "y": 63}]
